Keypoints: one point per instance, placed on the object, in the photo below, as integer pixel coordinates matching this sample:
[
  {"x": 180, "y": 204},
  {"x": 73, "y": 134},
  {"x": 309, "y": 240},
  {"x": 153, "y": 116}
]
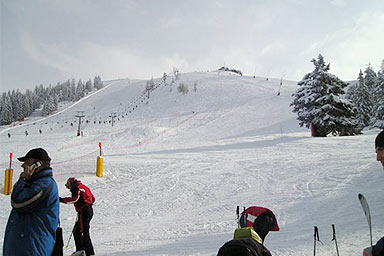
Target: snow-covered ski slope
[{"x": 176, "y": 168}]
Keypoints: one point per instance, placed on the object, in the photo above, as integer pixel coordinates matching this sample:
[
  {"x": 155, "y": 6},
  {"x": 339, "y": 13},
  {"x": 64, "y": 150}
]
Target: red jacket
[{"x": 81, "y": 196}]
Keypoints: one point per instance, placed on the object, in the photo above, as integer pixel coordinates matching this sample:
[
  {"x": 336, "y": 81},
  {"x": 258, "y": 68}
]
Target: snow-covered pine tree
[
  {"x": 88, "y": 85},
  {"x": 378, "y": 116},
  {"x": 72, "y": 90},
  {"x": 149, "y": 86},
  {"x": 1, "y": 110},
  {"x": 318, "y": 102},
  {"x": 6, "y": 113},
  {"x": 66, "y": 88},
  {"x": 30, "y": 101},
  {"x": 370, "y": 78},
  {"x": 16, "y": 100},
  {"x": 361, "y": 98},
  {"x": 98, "y": 84},
  {"x": 50, "y": 105},
  {"x": 24, "y": 103},
  {"x": 80, "y": 90},
  {"x": 182, "y": 88},
  {"x": 176, "y": 73}
]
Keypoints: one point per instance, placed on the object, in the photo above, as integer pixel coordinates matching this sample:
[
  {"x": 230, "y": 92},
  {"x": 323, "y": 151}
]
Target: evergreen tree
[
  {"x": 370, "y": 78},
  {"x": 24, "y": 102},
  {"x": 6, "y": 116},
  {"x": 88, "y": 85},
  {"x": 362, "y": 100},
  {"x": 378, "y": 117},
  {"x": 50, "y": 104},
  {"x": 1, "y": 109},
  {"x": 98, "y": 84},
  {"x": 15, "y": 105},
  {"x": 16, "y": 110},
  {"x": 72, "y": 89},
  {"x": 176, "y": 73},
  {"x": 80, "y": 90},
  {"x": 182, "y": 88},
  {"x": 318, "y": 102},
  {"x": 150, "y": 85},
  {"x": 67, "y": 93},
  {"x": 29, "y": 99}
]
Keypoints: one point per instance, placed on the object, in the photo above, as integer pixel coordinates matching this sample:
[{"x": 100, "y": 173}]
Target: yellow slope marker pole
[
  {"x": 99, "y": 164},
  {"x": 8, "y": 177}
]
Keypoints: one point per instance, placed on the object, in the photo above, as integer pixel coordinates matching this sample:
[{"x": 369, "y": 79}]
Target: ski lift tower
[
  {"x": 113, "y": 116},
  {"x": 80, "y": 114}
]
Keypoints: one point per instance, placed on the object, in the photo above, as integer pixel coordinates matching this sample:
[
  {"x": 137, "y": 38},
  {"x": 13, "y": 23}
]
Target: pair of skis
[{"x": 364, "y": 205}]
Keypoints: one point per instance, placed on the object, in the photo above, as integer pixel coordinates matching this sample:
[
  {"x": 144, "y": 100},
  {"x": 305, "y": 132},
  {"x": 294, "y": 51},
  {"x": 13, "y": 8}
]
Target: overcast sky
[{"x": 50, "y": 41}]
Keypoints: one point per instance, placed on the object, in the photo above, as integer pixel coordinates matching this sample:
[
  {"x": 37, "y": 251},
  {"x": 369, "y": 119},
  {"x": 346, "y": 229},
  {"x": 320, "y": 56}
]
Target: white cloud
[
  {"x": 361, "y": 44},
  {"x": 48, "y": 54},
  {"x": 91, "y": 59},
  {"x": 339, "y": 3},
  {"x": 351, "y": 48},
  {"x": 140, "y": 40}
]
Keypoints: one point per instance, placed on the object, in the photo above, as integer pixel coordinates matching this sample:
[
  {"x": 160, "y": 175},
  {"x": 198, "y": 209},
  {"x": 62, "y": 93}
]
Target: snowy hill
[{"x": 175, "y": 168}]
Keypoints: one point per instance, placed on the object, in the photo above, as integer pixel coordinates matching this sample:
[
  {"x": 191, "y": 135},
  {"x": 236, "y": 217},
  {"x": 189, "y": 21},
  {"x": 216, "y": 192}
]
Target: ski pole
[
  {"x": 73, "y": 230},
  {"x": 246, "y": 217},
  {"x": 334, "y": 239},
  {"x": 315, "y": 238},
  {"x": 238, "y": 212},
  {"x": 66, "y": 247}
]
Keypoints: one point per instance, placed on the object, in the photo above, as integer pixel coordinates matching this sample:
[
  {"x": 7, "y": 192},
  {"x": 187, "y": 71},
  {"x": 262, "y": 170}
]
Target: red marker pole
[
  {"x": 99, "y": 164},
  {"x": 10, "y": 160}
]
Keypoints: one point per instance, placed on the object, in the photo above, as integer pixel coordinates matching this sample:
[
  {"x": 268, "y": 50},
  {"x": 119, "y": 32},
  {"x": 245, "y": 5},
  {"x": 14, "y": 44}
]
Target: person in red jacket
[{"x": 83, "y": 200}]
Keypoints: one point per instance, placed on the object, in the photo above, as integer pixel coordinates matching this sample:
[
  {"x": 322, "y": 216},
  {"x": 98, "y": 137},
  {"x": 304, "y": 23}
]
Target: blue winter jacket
[{"x": 34, "y": 218}]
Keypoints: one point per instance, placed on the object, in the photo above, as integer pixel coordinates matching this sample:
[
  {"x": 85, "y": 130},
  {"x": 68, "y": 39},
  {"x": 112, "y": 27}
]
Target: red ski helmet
[
  {"x": 70, "y": 182},
  {"x": 249, "y": 216}
]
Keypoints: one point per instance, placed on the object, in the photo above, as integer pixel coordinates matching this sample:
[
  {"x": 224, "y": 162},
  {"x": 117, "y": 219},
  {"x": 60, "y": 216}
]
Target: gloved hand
[
  {"x": 61, "y": 200},
  {"x": 367, "y": 251}
]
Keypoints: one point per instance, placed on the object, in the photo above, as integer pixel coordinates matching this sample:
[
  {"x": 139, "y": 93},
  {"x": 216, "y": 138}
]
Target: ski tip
[{"x": 360, "y": 196}]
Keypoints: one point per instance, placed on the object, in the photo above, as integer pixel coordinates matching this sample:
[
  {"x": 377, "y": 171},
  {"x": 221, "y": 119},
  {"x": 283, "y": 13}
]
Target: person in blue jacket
[
  {"x": 378, "y": 248},
  {"x": 34, "y": 217}
]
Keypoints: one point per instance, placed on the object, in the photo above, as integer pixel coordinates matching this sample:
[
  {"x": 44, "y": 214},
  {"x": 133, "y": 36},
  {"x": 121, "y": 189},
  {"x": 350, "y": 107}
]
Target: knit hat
[{"x": 379, "y": 141}]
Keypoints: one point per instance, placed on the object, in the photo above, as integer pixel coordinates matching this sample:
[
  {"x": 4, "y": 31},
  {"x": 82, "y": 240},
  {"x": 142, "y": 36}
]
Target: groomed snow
[{"x": 176, "y": 168}]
